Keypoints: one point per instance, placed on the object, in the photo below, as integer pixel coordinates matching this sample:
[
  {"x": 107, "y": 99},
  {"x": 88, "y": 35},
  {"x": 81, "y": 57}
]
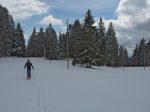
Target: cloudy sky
[{"x": 131, "y": 18}]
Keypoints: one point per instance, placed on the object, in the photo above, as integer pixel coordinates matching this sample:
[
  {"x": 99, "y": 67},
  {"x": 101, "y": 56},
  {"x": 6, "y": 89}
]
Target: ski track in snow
[{"x": 40, "y": 105}]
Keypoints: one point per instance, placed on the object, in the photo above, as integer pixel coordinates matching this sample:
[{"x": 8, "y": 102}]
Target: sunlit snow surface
[{"x": 54, "y": 88}]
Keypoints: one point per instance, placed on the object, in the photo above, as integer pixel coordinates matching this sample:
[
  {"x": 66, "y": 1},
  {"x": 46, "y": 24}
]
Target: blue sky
[
  {"x": 131, "y": 18},
  {"x": 59, "y": 9},
  {"x": 71, "y": 10}
]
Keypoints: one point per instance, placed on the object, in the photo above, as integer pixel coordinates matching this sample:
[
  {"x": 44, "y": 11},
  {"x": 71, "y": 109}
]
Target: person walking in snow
[{"x": 28, "y": 65}]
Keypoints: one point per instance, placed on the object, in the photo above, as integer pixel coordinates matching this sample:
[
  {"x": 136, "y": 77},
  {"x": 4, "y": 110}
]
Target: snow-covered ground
[{"x": 54, "y": 88}]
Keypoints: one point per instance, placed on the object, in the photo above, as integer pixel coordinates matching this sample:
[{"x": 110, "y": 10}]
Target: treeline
[
  {"x": 87, "y": 44},
  {"x": 141, "y": 54},
  {"x": 43, "y": 44}
]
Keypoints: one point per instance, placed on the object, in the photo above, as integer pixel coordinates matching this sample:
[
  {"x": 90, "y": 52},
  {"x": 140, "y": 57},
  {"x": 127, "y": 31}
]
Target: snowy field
[{"x": 53, "y": 88}]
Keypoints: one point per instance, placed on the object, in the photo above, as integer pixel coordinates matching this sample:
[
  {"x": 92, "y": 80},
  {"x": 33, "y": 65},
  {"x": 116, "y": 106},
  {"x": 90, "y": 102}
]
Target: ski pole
[
  {"x": 34, "y": 74},
  {"x": 23, "y": 73}
]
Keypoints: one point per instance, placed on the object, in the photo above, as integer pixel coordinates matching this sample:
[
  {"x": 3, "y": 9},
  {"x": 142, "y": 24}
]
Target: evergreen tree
[
  {"x": 11, "y": 40},
  {"x": 1, "y": 31},
  {"x": 6, "y": 34},
  {"x": 125, "y": 58},
  {"x": 111, "y": 47},
  {"x": 4, "y": 30},
  {"x": 19, "y": 42},
  {"x": 60, "y": 50},
  {"x": 141, "y": 53},
  {"x": 147, "y": 54},
  {"x": 41, "y": 43},
  {"x": 51, "y": 43},
  {"x": 99, "y": 43},
  {"x": 32, "y": 45},
  {"x": 62, "y": 45},
  {"x": 135, "y": 57},
  {"x": 120, "y": 58},
  {"x": 54, "y": 45},
  {"x": 75, "y": 35},
  {"x": 86, "y": 55},
  {"x": 13, "y": 36}
]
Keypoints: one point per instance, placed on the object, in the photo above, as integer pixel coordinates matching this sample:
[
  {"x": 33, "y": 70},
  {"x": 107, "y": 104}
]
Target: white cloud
[
  {"x": 133, "y": 12},
  {"x": 50, "y": 19},
  {"x": 22, "y": 9},
  {"x": 132, "y": 23}
]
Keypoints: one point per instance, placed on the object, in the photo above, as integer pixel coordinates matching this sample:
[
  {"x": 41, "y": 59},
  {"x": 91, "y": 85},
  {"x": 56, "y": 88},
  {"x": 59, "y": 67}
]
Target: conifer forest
[{"x": 83, "y": 43}]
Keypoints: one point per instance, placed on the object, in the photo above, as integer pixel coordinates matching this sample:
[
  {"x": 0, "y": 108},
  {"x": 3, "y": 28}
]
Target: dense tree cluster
[
  {"x": 12, "y": 41},
  {"x": 43, "y": 44},
  {"x": 123, "y": 59},
  {"x": 88, "y": 44},
  {"x": 141, "y": 54},
  {"x": 95, "y": 45}
]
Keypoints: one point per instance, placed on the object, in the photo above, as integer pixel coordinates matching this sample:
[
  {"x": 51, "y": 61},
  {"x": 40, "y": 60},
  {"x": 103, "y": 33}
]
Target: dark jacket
[{"x": 28, "y": 65}]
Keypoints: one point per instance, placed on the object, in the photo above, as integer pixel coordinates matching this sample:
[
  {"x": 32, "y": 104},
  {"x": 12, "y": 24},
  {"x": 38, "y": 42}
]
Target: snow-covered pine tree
[
  {"x": 147, "y": 54},
  {"x": 120, "y": 57},
  {"x": 111, "y": 47},
  {"x": 135, "y": 57},
  {"x": 64, "y": 36},
  {"x": 75, "y": 35},
  {"x": 19, "y": 44},
  {"x": 62, "y": 45},
  {"x": 86, "y": 54},
  {"x": 141, "y": 52},
  {"x": 32, "y": 44},
  {"x": 51, "y": 43},
  {"x": 99, "y": 43},
  {"x": 1, "y": 31},
  {"x": 54, "y": 45},
  {"x": 125, "y": 58},
  {"x": 7, "y": 37},
  {"x": 41, "y": 43},
  {"x": 60, "y": 49},
  {"x": 5, "y": 32},
  {"x": 12, "y": 34}
]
